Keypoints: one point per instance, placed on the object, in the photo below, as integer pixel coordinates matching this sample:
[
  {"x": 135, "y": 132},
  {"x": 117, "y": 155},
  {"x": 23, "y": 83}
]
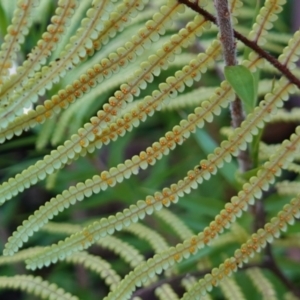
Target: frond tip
[{"x": 36, "y": 286}]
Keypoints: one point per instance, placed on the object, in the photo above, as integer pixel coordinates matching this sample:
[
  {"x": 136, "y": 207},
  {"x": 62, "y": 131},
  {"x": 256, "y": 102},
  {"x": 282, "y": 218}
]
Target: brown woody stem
[
  {"x": 226, "y": 32},
  {"x": 272, "y": 60},
  {"x": 229, "y": 52}
]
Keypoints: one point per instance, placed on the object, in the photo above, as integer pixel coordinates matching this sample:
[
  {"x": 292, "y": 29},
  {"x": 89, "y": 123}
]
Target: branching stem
[
  {"x": 229, "y": 52},
  {"x": 227, "y": 36},
  {"x": 226, "y": 32},
  {"x": 272, "y": 60}
]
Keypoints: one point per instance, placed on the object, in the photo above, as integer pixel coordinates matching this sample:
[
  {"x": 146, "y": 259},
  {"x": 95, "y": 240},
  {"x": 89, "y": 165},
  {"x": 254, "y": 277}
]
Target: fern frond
[
  {"x": 77, "y": 111},
  {"x": 81, "y": 104},
  {"x": 157, "y": 242},
  {"x": 90, "y": 262},
  {"x": 286, "y": 116},
  {"x": 43, "y": 49},
  {"x": 262, "y": 284},
  {"x": 97, "y": 265},
  {"x": 36, "y": 286},
  {"x": 292, "y": 240},
  {"x": 266, "y": 151},
  {"x": 83, "y": 139},
  {"x": 83, "y": 142},
  {"x": 177, "y": 225},
  {"x": 231, "y": 290},
  {"x": 287, "y": 58},
  {"x": 208, "y": 167},
  {"x": 20, "y": 256},
  {"x": 188, "y": 283},
  {"x": 135, "y": 47},
  {"x": 140, "y": 210},
  {"x": 293, "y": 167},
  {"x": 142, "y": 51},
  {"x": 288, "y": 188},
  {"x": 80, "y": 43},
  {"x": 224, "y": 239},
  {"x": 265, "y": 19},
  {"x": 127, "y": 252},
  {"x": 251, "y": 190},
  {"x": 257, "y": 242},
  {"x": 15, "y": 36},
  {"x": 199, "y": 95},
  {"x": 194, "y": 98},
  {"x": 237, "y": 234},
  {"x": 165, "y": 292},
  {"x": 78, "y": 15},
  {"x": 114, "y": 175}
]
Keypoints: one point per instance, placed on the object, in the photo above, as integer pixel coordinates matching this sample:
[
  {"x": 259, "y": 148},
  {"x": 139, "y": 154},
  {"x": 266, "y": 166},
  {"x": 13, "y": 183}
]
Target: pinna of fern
[
  {"x": 148, "y": 55},
  {"x": 108, "y": 179}
]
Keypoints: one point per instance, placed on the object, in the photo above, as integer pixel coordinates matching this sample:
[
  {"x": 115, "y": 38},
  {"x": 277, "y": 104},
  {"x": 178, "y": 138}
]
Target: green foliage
[
  {"x": 122, "y": 144},
  {"x": 243, "y": 83}
]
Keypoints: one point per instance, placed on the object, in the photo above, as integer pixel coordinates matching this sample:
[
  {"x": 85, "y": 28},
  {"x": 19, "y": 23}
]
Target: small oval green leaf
[{"x": 243, "y": 83}]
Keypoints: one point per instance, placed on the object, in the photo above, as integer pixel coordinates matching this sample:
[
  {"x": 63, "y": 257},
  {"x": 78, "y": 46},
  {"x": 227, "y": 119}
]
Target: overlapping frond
[
  {"x": 91, "y": 27},
  {"x": 87, "y": 137},
  {"x": 128, "y": 253},
  {"x": 36, "y": 286},
  {"x": 45, "y": 46},
  {"x": 145, "y": 63},
  {"x": 257, "y": 242},
  {"x": 104, "y": 69},
  {"x": 117, "y": 174},
  {"x": 236, "y": 141},
  {"x": 166, "y": 292},
  {"x": 263, "y": 285},
  {"x": 251, "y": 190},
  {"x": 15, "y": 36},
  {"x": 231, "y": 289}
]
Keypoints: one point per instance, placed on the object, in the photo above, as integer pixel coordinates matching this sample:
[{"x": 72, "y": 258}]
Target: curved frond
[
  {"x": 92, "y": 27},
  {"x": 231, "y": 289},
  {"x": 36, "y": 286},
  {"x": 262, "y": 284},
  {"x": 208, "y": 167},
  {"x": 232, "y": 210},
  {"x": 157, "y": 242},
  {"x": 257, "y": 241},
  {"x": 99, "y": 117},
  {"x": 188, "y": 283},
  {"x": 114, "y": 175},
  {"x": 99, "y": 72},
  {"x": 288, "y": 188},
  {"x": 166, "y": 292},
  {"x": 15, "y": 36},
  {"x": 97, "y": 265},
  {"x": 43, "y": 49},
  {"x": 128, "y": 253},
  {"x": 90, "y": 132},
  {"x": 170, "y": 218}
]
